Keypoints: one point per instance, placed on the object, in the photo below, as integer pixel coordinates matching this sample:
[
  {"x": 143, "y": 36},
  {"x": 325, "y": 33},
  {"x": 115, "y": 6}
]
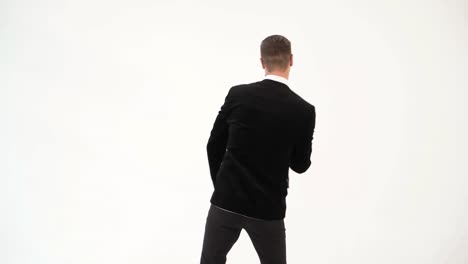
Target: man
[{"x": 262, "y": 130}]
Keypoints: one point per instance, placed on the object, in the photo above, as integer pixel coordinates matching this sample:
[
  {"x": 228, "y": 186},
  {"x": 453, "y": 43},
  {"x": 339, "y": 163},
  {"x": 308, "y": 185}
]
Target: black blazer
[{"x": 262, "y": 130}]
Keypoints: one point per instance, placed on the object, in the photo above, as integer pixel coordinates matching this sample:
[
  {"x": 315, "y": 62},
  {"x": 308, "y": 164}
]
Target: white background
[{"x": 106, "y": 108}]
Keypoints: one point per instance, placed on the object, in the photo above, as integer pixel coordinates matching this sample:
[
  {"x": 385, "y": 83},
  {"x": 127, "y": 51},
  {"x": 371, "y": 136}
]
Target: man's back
[{"x": 262, "y": 130}]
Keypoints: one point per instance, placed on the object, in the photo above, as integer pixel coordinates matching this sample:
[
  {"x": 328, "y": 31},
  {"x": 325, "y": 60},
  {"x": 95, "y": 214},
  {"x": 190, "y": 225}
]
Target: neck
[{"x": 284, "y": 74}]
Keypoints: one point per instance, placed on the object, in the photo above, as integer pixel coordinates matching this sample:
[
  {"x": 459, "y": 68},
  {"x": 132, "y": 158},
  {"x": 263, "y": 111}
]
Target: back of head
[{"x": 276, "y": 52}]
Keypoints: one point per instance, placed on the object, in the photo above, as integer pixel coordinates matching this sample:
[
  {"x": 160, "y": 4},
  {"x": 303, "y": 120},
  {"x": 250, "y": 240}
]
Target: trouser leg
[
  {"x": 222, "y": 230},
  {"x": 269, "y": 240}
]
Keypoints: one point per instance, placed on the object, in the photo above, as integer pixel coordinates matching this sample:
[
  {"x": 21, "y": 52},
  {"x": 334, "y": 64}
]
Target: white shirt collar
[{"x": 277, "y": 78}]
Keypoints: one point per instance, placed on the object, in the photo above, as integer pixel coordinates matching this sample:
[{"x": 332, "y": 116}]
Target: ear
[
  {"x": 263, "y": 63},
  {"x": 291, "y": 60}
]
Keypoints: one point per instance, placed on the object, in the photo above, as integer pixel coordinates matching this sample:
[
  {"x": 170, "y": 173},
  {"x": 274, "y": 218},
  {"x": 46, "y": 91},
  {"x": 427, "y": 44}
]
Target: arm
[
  {"x": 302, "y": 149},
  {"x": 216, "y": 145}
]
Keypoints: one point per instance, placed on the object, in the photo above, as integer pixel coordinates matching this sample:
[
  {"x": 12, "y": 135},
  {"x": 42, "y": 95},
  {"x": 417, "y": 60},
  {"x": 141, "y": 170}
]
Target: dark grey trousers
[{"x": 223, "y": 228}]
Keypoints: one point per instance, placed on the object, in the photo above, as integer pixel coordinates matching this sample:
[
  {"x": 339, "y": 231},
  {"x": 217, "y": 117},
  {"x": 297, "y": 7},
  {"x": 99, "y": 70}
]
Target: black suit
[{"x": 262, "y": 130}]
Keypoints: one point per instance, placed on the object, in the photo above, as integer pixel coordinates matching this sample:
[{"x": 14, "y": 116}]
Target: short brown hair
[{"x": 276, "y": 52}]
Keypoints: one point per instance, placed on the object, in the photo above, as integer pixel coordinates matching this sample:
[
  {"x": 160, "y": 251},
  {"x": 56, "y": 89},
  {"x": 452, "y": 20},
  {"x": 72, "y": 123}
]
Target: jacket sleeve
[
  {"x": 216, "y": 146},
  {"x": 302, "y": 148}
]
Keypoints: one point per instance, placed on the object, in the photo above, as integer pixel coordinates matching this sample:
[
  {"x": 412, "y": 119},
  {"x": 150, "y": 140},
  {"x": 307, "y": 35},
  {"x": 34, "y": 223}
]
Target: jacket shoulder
[
  {"x": 241, "y": 86},
  {"x": 306, "y": 105},
  {"x": 239, "y": 89}
]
